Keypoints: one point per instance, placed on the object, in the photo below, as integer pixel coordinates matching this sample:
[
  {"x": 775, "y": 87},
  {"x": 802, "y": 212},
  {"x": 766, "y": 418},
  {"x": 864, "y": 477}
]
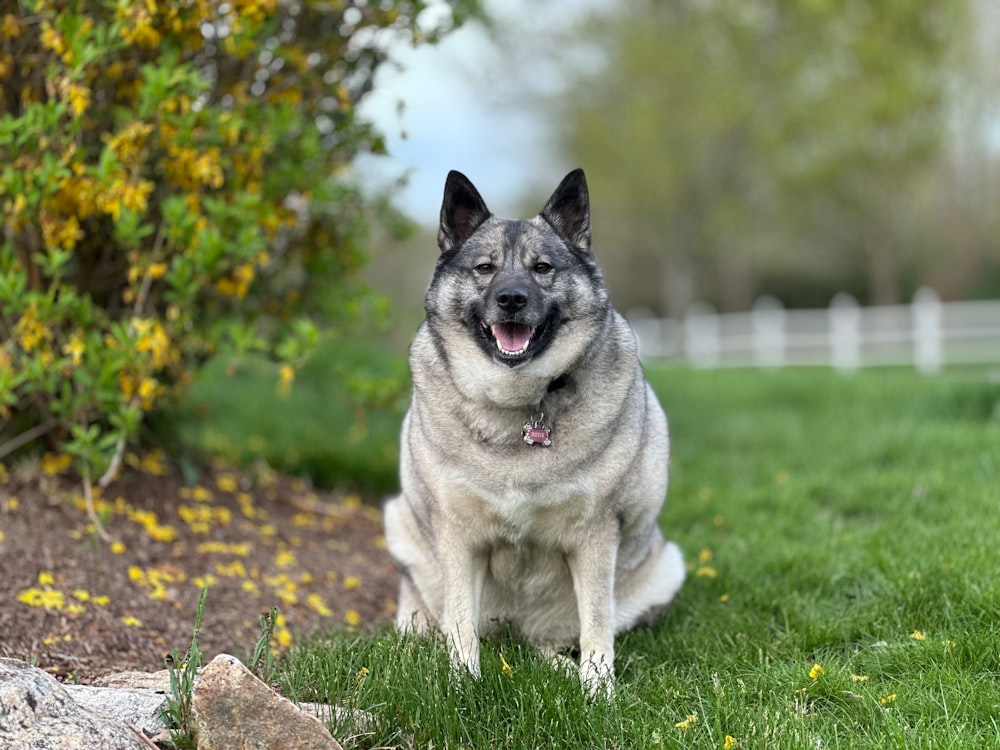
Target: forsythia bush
[{"x": 173, "y": 183}]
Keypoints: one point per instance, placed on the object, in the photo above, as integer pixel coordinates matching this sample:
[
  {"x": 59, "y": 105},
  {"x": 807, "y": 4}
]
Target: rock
[
  {"x": 37, "y": 713},
  {"x": 233, "y": 709},
  {"x": 157, "y": 682},
  {"x": 137, "y": 707}
]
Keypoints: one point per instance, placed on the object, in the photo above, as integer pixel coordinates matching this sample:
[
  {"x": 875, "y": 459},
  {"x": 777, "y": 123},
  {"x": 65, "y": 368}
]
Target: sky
[{"x": 439, "y": 111}]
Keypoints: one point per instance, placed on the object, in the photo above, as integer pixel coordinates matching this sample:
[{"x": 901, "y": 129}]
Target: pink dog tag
[{"x": 536, "y": 433}]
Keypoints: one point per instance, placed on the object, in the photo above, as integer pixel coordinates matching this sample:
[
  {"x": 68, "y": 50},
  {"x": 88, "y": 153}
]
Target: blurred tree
[
  {"x": 734, "y": 143},
  {"x": 175, "y": 182}
]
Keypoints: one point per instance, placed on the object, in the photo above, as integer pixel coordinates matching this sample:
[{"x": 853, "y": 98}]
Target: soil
[{"x": 83, "y": 603}]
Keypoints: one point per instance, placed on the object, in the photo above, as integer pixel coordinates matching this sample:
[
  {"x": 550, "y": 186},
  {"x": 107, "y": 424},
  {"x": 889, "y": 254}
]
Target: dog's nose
[{"x": 511, "y": 300}]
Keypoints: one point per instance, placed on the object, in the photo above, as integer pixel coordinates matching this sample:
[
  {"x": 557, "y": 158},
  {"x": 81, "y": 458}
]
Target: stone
[
  {"x": 157, "y": 682},
  {"x": 139, "y": 708},
  {"x": 235, "y": 710},
  {"x": 37, "y": 713}
]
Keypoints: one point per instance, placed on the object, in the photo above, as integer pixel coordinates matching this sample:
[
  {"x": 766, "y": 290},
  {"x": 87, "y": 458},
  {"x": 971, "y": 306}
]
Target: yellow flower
[
  {"x": 45, "y": 578},
  {"x": 250, "y": 587},
  {"x": 315, "y": 602},
  {"x": 352, "y": 582},
  {"x": 705, "y": 556},
  {"x": 74, "y": 349},
  {"x": 52, "y": 39},
  {"x": 361, "y": 675},
  {"x": 64, "y": 233},
  {"x": 285, "y": 559},
  {"x": 47, "y": 599},
  {"x": 816, "y": 672},
  {"x": 918, "y": 635},
  {"x": 352, "y": 618},
  {"x": 81, "y": 596},
  {"x": 689, "y": 721},
  {"x": 200, "y": 494},
  {"x": 506, "y": 668},
  {"x": 235, "y": 569},
  {"x": 30, "y": 331},
  {"x": 148, "y": 388},
  {"x": 730, "y": 743},
  {"x": 130, "y": 143},
  {"x": 859, "y": 678},
  {"x": 117, "y": 548},
  {"x": 887, "y": 699},
  {"x": 286, "y": 374},
  {"x": 227, "y": 483},
  {"x": 706, "y": 571},
  {"x": 78, "y": 97},
  {"x": 10, "y": 27},
  {"x": 131, "y": 622},
  {"x": 205, "y": 581},
  {"x": 152, "y": 463}
]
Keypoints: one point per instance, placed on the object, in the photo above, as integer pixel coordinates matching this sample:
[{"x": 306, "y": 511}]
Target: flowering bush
[{"x": 174, "y": 184}]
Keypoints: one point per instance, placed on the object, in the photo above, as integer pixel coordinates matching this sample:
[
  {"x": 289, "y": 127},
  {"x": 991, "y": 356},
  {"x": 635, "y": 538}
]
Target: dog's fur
[{"x": 560, "y": 541}]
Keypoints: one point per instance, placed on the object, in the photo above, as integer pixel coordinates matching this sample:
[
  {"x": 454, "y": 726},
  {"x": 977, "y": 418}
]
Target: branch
[{"x": 27, "y": 436}]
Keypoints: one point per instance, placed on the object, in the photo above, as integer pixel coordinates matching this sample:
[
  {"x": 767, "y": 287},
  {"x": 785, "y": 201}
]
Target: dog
[{"x": 534, "y": 454}]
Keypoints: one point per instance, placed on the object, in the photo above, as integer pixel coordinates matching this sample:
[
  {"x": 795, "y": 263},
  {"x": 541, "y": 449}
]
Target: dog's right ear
[{"x": 462, "y": 211}]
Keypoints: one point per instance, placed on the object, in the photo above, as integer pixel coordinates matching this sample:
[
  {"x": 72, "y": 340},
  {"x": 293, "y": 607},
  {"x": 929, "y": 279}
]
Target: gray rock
[
  {"x": 37, "y": 713},
  {"x": 233, "y": 709},
  {"x": 157, "y": 682},
  {"x": 137, "y": 707}
]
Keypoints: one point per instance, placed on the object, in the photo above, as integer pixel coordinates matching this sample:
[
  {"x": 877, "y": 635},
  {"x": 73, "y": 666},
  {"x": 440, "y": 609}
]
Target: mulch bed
[{"x": 82, "y": 607}]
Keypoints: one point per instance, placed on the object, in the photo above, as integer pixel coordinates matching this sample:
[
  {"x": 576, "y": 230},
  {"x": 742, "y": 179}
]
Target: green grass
[
  {"x": 338, "y": 423},
  {"x": 847, "y": 522}
]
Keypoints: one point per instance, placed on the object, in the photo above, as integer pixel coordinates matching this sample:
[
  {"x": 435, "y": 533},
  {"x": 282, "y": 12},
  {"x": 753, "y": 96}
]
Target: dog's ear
[
  {"x": 568, "y": 211},
  {"x": 462, "y": 211}
]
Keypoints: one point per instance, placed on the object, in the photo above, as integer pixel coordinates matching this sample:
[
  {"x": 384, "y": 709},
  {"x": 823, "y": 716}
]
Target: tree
[
  {"x": 738, "y": 143},
  {"x": 175, "y": 182}
]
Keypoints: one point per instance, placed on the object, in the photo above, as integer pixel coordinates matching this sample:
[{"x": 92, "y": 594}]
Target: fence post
[
  {"x": 844, "y": 318},
  {"x": 926, "y": 321},
  {"x": 768, "y": 332},
  {"x": 701, "y": 335},
  {"x": 648, "y": 331}
]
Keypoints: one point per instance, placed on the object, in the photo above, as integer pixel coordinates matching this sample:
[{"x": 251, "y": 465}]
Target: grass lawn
[{"x": 843, "y": 542}]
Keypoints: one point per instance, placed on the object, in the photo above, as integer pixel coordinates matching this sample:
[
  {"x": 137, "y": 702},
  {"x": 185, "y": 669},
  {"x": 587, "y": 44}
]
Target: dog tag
[{"x": 536, "y": 433}]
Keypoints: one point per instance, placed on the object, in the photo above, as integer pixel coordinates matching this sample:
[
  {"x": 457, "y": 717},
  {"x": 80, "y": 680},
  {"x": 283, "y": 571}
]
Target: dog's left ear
[
  {"x": 462, "y": 211},
  {"x": 568, "y": 211}
]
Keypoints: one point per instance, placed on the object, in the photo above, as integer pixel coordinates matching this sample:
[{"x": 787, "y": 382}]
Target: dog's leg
[
  {"x": 463, "y": 571},
  {"x": 593, "y": 571},
  {"x": 411, "y": 613}
]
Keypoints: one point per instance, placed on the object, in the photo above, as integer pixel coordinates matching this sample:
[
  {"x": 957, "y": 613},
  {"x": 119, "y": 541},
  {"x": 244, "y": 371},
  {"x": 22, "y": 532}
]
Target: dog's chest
[{"x": 544, "y": 513}]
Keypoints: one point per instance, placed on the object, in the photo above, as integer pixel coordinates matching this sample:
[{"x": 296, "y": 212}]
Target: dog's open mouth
[{"x": 512, "y": 339}]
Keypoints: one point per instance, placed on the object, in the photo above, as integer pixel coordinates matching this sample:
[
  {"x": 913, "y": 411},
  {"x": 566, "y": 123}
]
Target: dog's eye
[
  {"x": 542, "y": 268},
  {"x": 484, "y": 268}
]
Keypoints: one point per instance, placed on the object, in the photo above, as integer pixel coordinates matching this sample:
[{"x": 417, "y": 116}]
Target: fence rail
[{"x": 929, "y": 334}]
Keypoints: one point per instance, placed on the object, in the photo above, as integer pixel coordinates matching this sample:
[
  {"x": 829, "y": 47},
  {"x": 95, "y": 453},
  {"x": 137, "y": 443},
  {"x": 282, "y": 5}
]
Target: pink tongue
[{"x": 512, "y": 336}]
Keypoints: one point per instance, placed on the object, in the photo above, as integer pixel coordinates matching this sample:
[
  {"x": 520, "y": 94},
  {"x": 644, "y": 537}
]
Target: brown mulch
[{"x": 82, "y": 607}]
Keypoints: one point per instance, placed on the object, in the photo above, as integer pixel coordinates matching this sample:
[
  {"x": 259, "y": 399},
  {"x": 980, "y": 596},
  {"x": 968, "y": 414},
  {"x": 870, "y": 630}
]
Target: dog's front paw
[
  {"x": 597, "y": 676},
  {"x": 463, "y": 653}
]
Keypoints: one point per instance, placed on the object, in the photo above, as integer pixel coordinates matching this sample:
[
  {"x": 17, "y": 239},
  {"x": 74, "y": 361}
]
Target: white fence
[{"x": 928, "y": 334}]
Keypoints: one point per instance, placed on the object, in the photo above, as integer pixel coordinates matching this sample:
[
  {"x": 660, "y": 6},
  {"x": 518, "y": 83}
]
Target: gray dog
[{"x": 534, "y": 455}]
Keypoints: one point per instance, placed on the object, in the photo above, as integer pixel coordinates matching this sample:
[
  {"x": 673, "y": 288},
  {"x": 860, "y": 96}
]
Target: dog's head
[{"x": 514, "y": 284}]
